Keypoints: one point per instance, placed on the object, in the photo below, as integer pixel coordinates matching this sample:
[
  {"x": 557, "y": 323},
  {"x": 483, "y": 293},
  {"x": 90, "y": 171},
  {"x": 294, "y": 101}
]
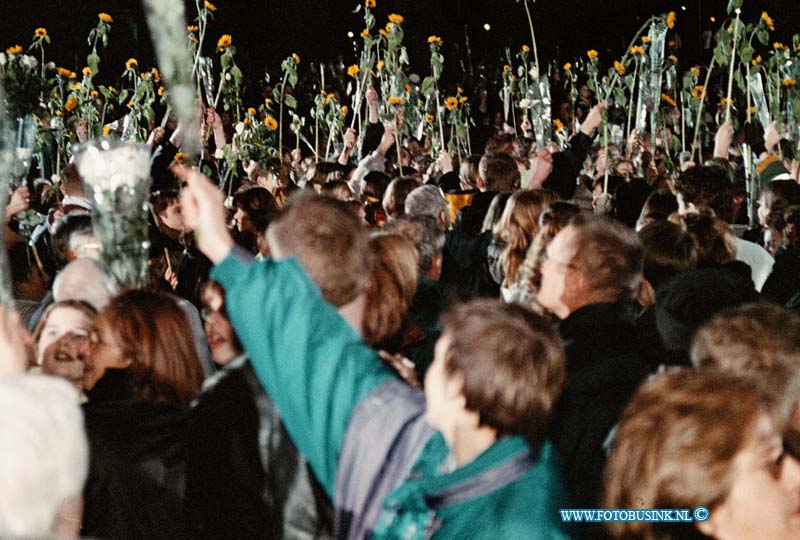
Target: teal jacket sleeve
[{"x": 312, "y": 363}]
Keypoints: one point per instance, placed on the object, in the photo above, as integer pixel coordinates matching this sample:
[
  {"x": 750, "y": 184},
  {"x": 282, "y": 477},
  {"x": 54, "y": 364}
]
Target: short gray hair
[
  {"x": 84, "y": 279},
  {"x": 426, "y": 235},
  {"x": 44, "y": 453},
  {"x": 426, "y": 200}
]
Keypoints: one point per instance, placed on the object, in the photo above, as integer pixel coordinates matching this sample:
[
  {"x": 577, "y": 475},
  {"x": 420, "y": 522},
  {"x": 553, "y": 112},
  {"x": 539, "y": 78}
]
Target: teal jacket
[{"x": 318, "y": 370}]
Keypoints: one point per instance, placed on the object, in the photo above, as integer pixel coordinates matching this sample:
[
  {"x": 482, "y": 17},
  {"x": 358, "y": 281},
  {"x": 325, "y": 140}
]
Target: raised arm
[{"x": 311, "y": 362}]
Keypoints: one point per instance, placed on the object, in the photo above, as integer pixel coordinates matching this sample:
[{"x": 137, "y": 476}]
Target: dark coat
[
  {"x": 603, "y": 371},
  {"x": 245, "y": 478}
]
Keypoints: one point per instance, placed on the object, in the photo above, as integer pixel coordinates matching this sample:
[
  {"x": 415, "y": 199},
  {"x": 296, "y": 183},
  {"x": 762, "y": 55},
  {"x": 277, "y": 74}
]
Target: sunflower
[
  {"x": 353, "y": 70},
  {"x": 59, "y": 113},
  {"x": 130, "y": 64},
  {"x": 636, "y": 49},
  {"x": 451, "y": 103},
  {"x": 345, "y": 110},
  {"x": 789, "y": 82},
  {"x": 145, "y": 76},
  {"x": 379, "y": 65},
  {"x": 180, "y": 157},
  {"x": 567, "y": 66},
  {"x": 156, "y": 74},
  {"x": 130, "y": 105},
  {"x": 271, "y": 123},
  {"x": 396, "y": 19},
  {"x": 698, "y": 91},
  {"x": 369, "y": 3},
  {"x": 592, "y": 54},
  {"x": 429, "y": 118},
  {"x": 506, "y": 68},
  {"x": 695, "y": 71},
  {"x": 17, "y": 49},
  {"x": 365, "y": 32},
  {"x": 463, "y": 99},
  {"x": 559, "y": 125},
  {"x": 671, "y": 16},
  {"x": 668, "y": 100},
  {"x": 757, "y": 60},
  {"x": 672, "y": 58},
  {"x": 394, "y": 100},
  {"x": 193, "y": 38},
  {"x": 526, "y": 49},
  {"x": 40, "y": 32},
  {"x": 768, "y": 21},
  {"x": 210, "y": 6},
  {"x": 435, "y": 39},
  {"x": 160, "y": 90},
  {"x": 646, "y": 39},
  {"x": 74, "y": 87},
  {"x": 192, "y": 28},
  {"x": 778, "y": 46},
  {"x": 71, "y": 103},
  {"x": 251, "y": 111},
  {"x": 329, "y": 97},
  {"x": 619, "y": 67},
  {"x": 112, "y": 90},
  {"x": 224, "y": 42},
  {"x": 383, "y": 32},
  {"x": 105, "y": 17},
  {"x": 459, "y": 89},
  {"x": 296, "y": 58},
  {"x": 94, "y": 93},
  {"x": 408, "y": 89}
]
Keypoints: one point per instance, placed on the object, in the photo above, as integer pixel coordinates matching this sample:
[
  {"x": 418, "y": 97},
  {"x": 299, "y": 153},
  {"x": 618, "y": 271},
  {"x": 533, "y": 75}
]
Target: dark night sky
[{"x": 265, "y": 31}]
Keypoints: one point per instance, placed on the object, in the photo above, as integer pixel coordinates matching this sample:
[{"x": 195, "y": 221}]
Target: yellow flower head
[
  {"x": 451, "y": 103},
  {"x": 71, "y": 104},
  {"x": 672, "y": 58},
  {"x": 224, "y": 42},
  {"x": 671, "y": 20},
  {"x": 40, "y": 32},
  {"x": 106, "y": 130},
  {"x": 105, "y": 17},
  {"x": 668, "y": 100},
  {"x": 463, "y": 99},
  {"x": 506, "y": 68},
  {"x": 619, "y": 67},
  {"x": 145, "y": 76},
  {"x": 396, "y": 19},
  {"x": 408, "y": 88},
  {"x": 789, "y": 82},
  {"x": 180, "y": 157},
  {"x": 365, "y": 32},
  {"x": 74, "y": 87},
  {"x": 429, "y": 118},
  {"x": 112, "y": 90},
  {"x": 369, "y": 3},
  {"x": 697, "y": 92},
  {"x": 193, "y": 28},
  {"x": 130, "y": 104},
  {"x": 160, "y": 90},
  {"x": 388, "y": 27},
  {"x": 636, "y": 49},
  {"x": 329, "y": 97},
  {"x": 695, "y": 71},
  {"x": 210, "y": 6},
  {"x": 460, "y": 89},
  {"x": 559, "y": 125},
  {"x": 646, "y": 39},
  {"x": 94, "y": 93},
  {"x": 757, "y": 60},
  {"x": 751, "y": 110},
  {"x": 394, "y": 100},
  {"x": 383, "y": 32},
  {"x": 526, "y": 49},
  {"x": 567, "y": 66},
  {"x": 59, "y": 113},
  {"x": 379, "y": 65},
  {"x": 156, "y": 75},
  {"x": 251, "y": 111},
  {"x": 271, "y": 123},
  {"x": 131, "y": 63},
  {"x": 345, "y": 110},
  {"x": 193, "y": 38},
  {"x": 767, "y": 20},
  {"x": 592, "y": 54},
  {"x": 17, "y": 49},
  {"x": 296, "y": 58},
  {"x": 435, "y": 39},
  {"x": 778, "y": 46},
  {"x": 353, "y": 70},
  {"x": 248, "y": 123},
  {"x": 268, "y": 101}
]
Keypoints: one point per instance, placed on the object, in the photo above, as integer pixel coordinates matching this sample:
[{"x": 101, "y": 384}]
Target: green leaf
[
  {"x": 428, "y": 86},
  {"x": 290, "y": 101},
  {"x": 93, "y": 61},
  {"x": 733, "y": 5},
  {"x": 358, "y": 8},
  {"x": 236, "y": 73},
  {"x": 123, "y": 97},
  {"x": 763, "y": 36},
  {"x": 720, "y": 56},
  {"x": 92, "y": 35},
  {"x": 746, "y": 53},
  {"x": 225, "y": 61},
  {"x": 293, "y": 79}
]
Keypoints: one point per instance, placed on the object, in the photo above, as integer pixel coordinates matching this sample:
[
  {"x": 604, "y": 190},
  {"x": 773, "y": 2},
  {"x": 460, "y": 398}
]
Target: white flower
[
  {"x": 239, "y": 128},
  {"x": 3, "y": 59},
  {"x": 219, "y": 153},
  {"x": 55, "y": 179},
  {"x": 28, "y": 61},
  {"x": 227, "y": 76},
  {"x": 525, "y": 104}
]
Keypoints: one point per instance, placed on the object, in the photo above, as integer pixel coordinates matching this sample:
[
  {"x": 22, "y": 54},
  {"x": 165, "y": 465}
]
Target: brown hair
[
  {"x": 394, "y": 200},
  {"x": 161, "y": 200},
  {"x": 712, "y": 237},
  {"x": 154, "y": 332},
  {"x": 78, "y": 305},
  {"x": 609, "y": 255},
  {"x": 328, "y": 239},
  {"x": 676, "y": 445},
  {"x": 468, "y": 170},
  {"x": 518, "y": 224},
  {"x": 512, "y": 363},
  {"x": 707, "y": 186},
  {"x": 71, "y": 181},
  {"x": 499, "y": 173},
  {"x": 552, "y": 219},
  {"x": 668, "y": 250},
  {"x": 391, "y": 288}
]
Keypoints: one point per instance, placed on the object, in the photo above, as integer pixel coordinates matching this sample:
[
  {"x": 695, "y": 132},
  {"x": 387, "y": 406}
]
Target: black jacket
[
  {"x": 603, "y": 371},
  {"x": 245, "y": 478},
  {"x": 137, "y": 464}
]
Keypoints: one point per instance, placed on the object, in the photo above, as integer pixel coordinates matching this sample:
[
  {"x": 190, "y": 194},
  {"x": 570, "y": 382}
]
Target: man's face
[
  {"x": 443, "y": 398},
  {"x": 556, "y": 268},
  {"x": 172, "y": 217}
]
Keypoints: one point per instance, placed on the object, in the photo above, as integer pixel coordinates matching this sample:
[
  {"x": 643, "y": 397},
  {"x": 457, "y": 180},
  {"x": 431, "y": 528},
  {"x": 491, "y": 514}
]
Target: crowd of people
[{"x": 408, "y": 344}]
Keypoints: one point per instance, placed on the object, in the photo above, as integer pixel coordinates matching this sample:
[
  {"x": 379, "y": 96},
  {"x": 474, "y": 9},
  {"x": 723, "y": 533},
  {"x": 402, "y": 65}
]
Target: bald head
[{"x": 86, "y": 280}]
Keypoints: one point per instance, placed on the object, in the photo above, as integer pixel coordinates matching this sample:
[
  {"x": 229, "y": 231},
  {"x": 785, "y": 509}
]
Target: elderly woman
[{"x": 707, "y": 439}]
